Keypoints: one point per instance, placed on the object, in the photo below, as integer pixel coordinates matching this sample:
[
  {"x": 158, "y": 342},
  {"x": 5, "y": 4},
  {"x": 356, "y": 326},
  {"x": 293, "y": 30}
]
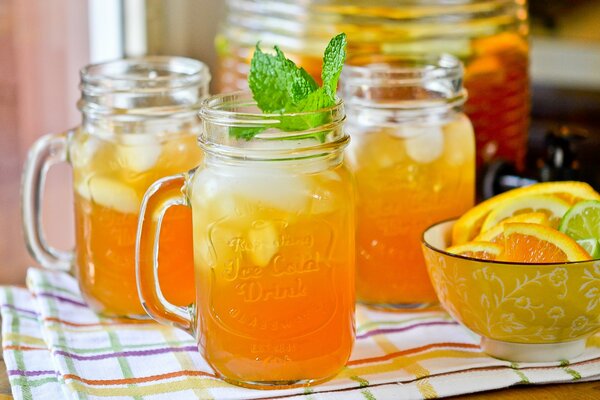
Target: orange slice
[
  {"x": 533, "y": 243},
  {"x": 495, "y": 234},
  {"x": 554, "y": 207},
  {"x": 469, "y": 225},
  {"x": 479, "y": 250}
]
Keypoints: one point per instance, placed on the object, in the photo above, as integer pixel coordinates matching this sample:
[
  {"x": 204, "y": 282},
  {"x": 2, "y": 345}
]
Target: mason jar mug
[
  {"x": 139, "y": 124},
  {"x": 413, "y": 156},
  {"x": 273, "y": 235}
]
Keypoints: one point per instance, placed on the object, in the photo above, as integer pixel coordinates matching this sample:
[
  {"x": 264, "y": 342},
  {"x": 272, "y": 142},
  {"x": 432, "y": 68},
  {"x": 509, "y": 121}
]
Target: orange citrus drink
[
  {"x": 406, "y": 180},
  {"x": 273, "y": 210},
  {"x": 111, "y": 175},
  {"x": 139, "y": 124},
  {"x": 413, "y": 156},
  {"x": 274, "y": 264}
]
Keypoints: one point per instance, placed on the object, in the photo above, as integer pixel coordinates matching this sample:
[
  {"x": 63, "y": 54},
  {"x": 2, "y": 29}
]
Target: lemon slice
[
  {"x": 554, "y": 207},
  {"x": 264, "y": 239},
  {"x": 113, "y": 194}
]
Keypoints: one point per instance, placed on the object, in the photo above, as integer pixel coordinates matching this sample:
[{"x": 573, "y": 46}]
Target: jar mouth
[
  {"x": 271, "y": 135},
  {"x": 239, "y": 109},
  {"x": 403, "y": 80},
  {"x": 143, "y": 74},
  {"x": 144, "y": 88},
  {"x": 401, "y": 69}
]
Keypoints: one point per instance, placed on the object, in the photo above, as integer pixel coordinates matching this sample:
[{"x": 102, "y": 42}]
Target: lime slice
[
  {"x": 592, "y": 246},
  {"x": 582, "y": 221}
]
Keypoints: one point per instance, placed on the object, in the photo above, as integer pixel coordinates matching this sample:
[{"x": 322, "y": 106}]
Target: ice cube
[
  {"x": 263, "y": 237},
  {"x": 225, "y": 187},
  {"x": 138, "y": 152},
  {"x": 424, "y": 143},
  {"x": 380, "y": 149},
  {"x": 113, "y": 194},
  {"x": 266, "y": 185},
  {"x": 83, "y": 150},
  {"x": 209, "y": 193},
  {"x": 460, "y": 145},
  {"x": 323, "y": 202},
  {"x": 83, "y": 190},
  {"x": 278, "y": 188}
]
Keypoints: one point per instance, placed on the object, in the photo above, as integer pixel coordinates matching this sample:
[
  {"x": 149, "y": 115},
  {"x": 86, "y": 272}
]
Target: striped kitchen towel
[
  {"x": 397, "y": 355},
  {"x": 29, "y": 366}
]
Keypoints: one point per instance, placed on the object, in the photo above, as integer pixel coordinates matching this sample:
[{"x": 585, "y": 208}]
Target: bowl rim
[{"x": 493, "y": 262}]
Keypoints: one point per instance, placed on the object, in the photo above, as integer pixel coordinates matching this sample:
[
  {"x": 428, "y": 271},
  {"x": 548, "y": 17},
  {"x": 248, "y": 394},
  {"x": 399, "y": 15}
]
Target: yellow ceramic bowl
[{"x": 523, "y": 312}]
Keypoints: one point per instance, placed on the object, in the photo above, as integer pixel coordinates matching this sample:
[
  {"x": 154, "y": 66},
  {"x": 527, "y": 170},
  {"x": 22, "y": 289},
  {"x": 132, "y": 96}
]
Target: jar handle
[
  {"x": 159, "y": 197},
  {"x": 45, "y": 152}
]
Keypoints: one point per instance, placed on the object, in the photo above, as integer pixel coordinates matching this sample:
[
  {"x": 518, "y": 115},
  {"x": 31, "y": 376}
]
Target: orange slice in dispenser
[
  {"x": 533, "y": 243},
  {"x": 479, "y": 250},
  {"x": 552, "y": 206},
  {"x": 495, "y": 234},
  {"x": 469, "y": 225}
]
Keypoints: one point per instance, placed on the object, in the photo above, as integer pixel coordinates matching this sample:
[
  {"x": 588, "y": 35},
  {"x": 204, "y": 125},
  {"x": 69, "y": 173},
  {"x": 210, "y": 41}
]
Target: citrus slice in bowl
[
  {"x": 469, "y": 225},
  {"x": 592, "y": 246},
  {"x": 533, "y": 243},
  {"x": 582, "y": 221},
  {"x": 479, "y": 250},
  {"x": 552, "y": 206},
  {"x": 495, "y": 234}
]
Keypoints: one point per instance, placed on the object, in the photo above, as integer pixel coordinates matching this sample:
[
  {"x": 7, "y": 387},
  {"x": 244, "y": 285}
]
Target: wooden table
[{"x": 576, "y": 391}]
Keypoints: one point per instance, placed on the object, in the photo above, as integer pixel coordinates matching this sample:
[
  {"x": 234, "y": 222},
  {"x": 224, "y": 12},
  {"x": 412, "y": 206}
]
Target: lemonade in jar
[
  {"x": 273, "y": 231},
  {"x": 139, "y": 124},
  {"x": 413, "y": 156}
]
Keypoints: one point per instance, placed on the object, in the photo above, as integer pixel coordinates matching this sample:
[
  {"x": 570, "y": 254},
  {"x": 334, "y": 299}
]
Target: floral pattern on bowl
[{"x": 512, "y": 302}]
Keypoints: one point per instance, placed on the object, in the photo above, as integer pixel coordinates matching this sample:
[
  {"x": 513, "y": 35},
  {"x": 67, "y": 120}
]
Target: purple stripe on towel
[
  {"x": 405, "y": 328},
  {"x": 18, "y": 372},
  {"x": 130, "y": 353},
  {"x": 23, "y": 310},
  {"x": 61, "y": 298}
]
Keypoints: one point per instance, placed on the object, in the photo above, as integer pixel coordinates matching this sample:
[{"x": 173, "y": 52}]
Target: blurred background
[{"x": 43, "y": 44}]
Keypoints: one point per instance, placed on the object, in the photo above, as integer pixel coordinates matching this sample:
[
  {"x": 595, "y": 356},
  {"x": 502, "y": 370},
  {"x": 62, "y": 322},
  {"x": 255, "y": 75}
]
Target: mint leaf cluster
[{"x": 278, "y": 85}]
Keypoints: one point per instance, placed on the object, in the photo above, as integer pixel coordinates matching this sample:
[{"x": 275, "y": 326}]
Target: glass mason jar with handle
[
  {"x": 139, "y": 124},
  {"x": 413, "y": 155},
  {"x": 273, "y": 233},
  {"x": 488, "y": 36}
]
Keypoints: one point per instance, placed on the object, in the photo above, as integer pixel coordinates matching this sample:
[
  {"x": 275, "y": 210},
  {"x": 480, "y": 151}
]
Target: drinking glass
[
  {"x": 273, "y": 234},
  {"x": 139, "y": 124},
  {"x": 413, "y": 155}
]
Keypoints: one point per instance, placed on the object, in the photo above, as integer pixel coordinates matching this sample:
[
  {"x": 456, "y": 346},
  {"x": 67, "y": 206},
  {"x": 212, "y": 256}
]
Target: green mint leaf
[
  {"x": 333, "y": 61},
  {"x": 279, "y": 86},
  {"x": 276, "y": 81},
  {"x": 317, "y": 100}
]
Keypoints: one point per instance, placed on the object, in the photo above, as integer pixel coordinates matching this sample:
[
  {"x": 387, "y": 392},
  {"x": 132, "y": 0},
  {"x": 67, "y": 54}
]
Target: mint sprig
[
  {"x": 276, "y": 82},
  {"x": 278, "y": 85}
]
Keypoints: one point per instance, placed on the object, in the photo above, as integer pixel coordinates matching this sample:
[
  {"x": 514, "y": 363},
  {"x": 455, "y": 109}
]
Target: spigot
[{"x": 559, "y": 162}]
